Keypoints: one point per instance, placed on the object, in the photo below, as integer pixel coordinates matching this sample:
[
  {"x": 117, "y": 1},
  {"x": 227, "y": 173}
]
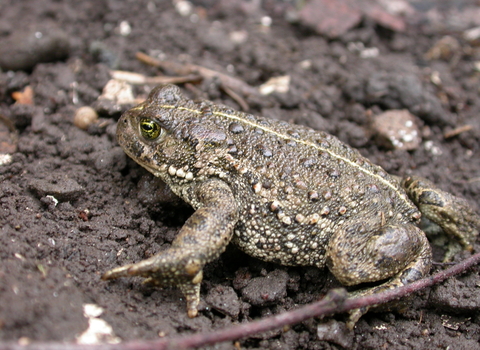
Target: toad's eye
[{"x": 150, "y": 130}]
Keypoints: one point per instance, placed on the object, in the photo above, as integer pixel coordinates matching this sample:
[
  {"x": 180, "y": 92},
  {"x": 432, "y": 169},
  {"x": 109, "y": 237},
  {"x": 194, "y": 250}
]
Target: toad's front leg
[{"x": 203, "y": 237}]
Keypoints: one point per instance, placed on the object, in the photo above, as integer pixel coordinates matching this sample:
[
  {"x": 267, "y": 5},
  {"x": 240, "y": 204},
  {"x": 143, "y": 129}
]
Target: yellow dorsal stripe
[{"x": 307, "y": 143}]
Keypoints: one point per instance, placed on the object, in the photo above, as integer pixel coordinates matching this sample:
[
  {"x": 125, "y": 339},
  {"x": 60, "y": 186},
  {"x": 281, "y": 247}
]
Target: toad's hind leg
[
  {"x": 398, "y": 254},
  {"x": 453, "y": 214},
  {"x": 202, "y": 238}
]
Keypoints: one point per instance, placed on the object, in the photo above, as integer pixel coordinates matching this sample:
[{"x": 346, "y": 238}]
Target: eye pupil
[{"x": 150, "y": 129}]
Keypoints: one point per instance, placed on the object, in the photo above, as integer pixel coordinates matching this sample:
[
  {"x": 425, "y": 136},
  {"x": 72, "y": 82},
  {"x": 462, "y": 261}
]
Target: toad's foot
[
  {"x": 202, "y": 238},
  {"x": 453, "y": 214},
  {"x": 173, "y": 267}
]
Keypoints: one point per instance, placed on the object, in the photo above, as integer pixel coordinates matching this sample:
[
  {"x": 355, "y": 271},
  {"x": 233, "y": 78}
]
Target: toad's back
[{"x": 296, "y": 186}]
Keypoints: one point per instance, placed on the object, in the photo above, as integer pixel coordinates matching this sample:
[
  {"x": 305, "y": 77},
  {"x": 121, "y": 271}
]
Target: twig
[
  {"x": 137, "y": 79},
  {"x": 237, "y": 98},
  {"x": 473, "y": 179},
  {"x": 334, "y": 302},
  {"x": 188, "y": 68},
  {"x": 457, "y": 131}
]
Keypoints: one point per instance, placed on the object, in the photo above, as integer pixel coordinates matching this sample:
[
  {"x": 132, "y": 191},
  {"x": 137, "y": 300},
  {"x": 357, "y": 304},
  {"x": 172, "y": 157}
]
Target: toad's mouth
[
  {"x": 144, "y": 161},
  {"x": 154, "y": 170}
]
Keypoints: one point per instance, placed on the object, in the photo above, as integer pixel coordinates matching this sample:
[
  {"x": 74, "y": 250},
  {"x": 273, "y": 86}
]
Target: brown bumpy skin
[{"x": 283, "y": 193}]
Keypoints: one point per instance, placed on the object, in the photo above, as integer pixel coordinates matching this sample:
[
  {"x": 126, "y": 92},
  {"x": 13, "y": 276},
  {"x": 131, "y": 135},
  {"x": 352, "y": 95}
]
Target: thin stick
[
  {"x": 188, "y": 68},
  {"x": 237, "y": 98},
  {"x": 137, "y": 79},
  {"x": 457, "y": 131}
]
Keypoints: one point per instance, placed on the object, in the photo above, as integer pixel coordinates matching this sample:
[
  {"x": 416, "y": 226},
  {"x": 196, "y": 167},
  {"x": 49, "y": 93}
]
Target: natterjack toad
[{"x": 283, "y": 193}]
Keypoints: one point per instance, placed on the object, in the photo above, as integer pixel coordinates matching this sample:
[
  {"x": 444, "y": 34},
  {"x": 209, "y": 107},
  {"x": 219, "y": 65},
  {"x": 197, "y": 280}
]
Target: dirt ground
[{"x": 73, "y": 205}]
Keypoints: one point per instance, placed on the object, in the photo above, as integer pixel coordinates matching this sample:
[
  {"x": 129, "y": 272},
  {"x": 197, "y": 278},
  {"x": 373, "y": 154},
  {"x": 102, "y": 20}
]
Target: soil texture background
[{"x": 74, "y": 206}]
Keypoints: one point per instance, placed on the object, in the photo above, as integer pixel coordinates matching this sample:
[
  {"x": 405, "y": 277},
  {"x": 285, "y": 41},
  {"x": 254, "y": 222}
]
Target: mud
[{"x": 73, "y": 205}]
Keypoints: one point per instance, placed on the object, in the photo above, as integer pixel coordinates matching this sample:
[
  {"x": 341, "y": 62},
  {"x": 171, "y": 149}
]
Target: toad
[{"x": 282, "y": 193}]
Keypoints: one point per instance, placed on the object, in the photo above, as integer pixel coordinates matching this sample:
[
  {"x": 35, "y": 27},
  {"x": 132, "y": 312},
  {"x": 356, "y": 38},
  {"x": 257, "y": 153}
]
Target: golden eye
[{"x": 150, "y": 130}]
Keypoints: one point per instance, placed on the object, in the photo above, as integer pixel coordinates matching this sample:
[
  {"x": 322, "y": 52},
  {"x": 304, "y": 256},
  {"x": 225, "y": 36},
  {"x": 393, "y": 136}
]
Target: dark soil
[{"x": 109, "y": 213}]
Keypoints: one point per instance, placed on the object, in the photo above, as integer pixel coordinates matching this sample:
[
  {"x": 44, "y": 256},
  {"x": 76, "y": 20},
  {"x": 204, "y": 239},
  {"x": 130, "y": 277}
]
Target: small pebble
[
  {"x": 266, "y": 290},
  {"x": 225, "y": 300},
  {"x": 62, "y": 188},
  {"x": 397, "y": 129},
  {"x": 84, "y": 117},
  {"x": 118, "y": 91},
  {"x": 5, "y": 159},
  {"x": 335, "y": 332}
]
